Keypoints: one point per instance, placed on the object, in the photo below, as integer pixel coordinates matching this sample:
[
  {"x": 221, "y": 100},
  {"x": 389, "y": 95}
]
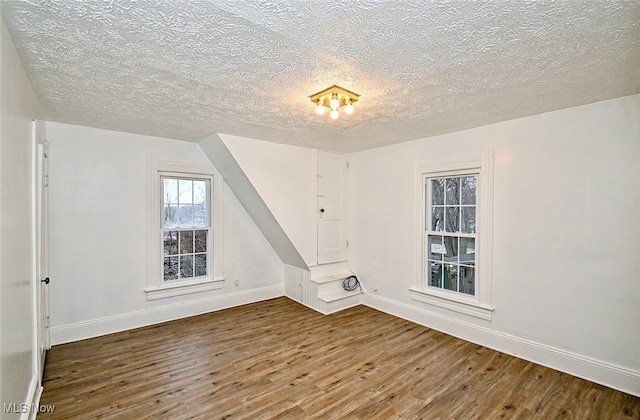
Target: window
[
  {"x": 455, "y": 249},
  {"x": 185, "y": 220},
  {"x": 451, "y": 233}
]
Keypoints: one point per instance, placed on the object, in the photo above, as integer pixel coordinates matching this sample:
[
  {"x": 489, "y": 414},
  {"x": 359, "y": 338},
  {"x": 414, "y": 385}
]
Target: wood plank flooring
[{"x": 279, "y": 359}]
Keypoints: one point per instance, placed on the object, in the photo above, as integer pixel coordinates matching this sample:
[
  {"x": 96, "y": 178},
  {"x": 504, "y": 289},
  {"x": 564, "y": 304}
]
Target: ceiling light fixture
[{"x": 333, "y": 99}]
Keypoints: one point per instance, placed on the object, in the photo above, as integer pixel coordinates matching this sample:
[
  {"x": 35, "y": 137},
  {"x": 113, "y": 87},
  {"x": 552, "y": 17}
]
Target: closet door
[
  {"x": 331, "y": 207},
  {"x": 41, "y": 224}
]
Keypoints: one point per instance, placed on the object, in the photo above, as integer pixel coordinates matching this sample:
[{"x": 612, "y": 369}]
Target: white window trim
[
  {"x": 157, "y": 288},
  {"x": 480, "y": 305}
]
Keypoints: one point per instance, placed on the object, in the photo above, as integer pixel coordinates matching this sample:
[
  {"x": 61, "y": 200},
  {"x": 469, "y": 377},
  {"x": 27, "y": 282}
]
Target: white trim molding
[
  {"x": 452, "y": 303},
  {"x": 604, "y": 373},
  {"x": 156, "y": 287},
  {"x": 480, "y": 305},
  {"x": 183, "y": 288},
  {"x": 29, "y": 410}
]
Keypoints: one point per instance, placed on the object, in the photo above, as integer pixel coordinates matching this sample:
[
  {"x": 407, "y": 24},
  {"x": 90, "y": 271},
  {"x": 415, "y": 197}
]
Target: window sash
[
  {"x": 178, "y": 198},
  {"x": 178, "y": 257},
  {"x": 448, "y": 270}
]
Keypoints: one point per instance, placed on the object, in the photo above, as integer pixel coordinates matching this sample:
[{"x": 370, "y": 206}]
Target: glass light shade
[
  {"x": 335, "y": 102},
  {"x": 348, "y": 109},
  {"x": 319, "y": 109},
  {"x": 334, "y": 114}
]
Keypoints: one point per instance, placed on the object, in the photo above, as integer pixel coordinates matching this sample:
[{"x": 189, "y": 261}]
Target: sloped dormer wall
[{"x": 253, "y": 202}]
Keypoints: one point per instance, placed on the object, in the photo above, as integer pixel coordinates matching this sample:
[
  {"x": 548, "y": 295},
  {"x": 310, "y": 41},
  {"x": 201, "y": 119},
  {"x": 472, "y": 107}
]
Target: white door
[
  {"x": 42, "y": 255},
  {"x": 332, "y": 232}
]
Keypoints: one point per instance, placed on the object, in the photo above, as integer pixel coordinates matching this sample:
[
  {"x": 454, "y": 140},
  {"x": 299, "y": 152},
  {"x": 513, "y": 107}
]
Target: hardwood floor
[{"x": 279, "y": 359}]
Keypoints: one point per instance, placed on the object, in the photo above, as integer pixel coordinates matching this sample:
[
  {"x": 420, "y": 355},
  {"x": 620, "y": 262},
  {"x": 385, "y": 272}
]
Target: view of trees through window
[
  {"x": 451, "y": 233},
  {"x": 185, "y": 227}
]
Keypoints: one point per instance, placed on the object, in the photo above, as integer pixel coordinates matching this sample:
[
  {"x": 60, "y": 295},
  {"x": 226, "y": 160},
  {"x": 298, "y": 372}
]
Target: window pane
[
  {"x": 450, "y": 277},
  {"x": 200, "y": 241},
  {"x": 452, "y": 219},
  {"x": 469, "y": 190},
  {"x": 170, "y": 190},
  {"x": 199, "y": 192},
  {"x": 437, "y": 192},
  {"x": 170, "y": 268},
  {"x": 467, "y": 251},
  {"x": 186, "y": 215},
  {"x": 435, "y": 276},
  {"x": 468, "y": 220},
  {"x": 170, "y": 215},
  {"x": 171, "y": 243},
  {"x": 467, "y": 280},
  {"x": 186, "y": 242},
  {"x": 451, "y": 249},
  {"x": 453, "y": 191},
  {"x": 186, "y": 266},
  {"x": 437, "y": 219},
  {"x": 436, "y": 248},
  {"x": 201, "y": 265},
  {"x": 200, "y": 215},
  {"x": 185, "y": 189}
]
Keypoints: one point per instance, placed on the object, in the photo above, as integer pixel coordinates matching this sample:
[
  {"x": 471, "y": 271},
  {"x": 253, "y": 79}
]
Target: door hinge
[
  {"x": 347, "y": 244},
  {"x": 347, "y": 162}
]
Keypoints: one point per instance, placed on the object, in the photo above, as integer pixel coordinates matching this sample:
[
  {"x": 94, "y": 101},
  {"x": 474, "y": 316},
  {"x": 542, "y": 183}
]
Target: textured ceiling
[{"x": 186, "y": 69}]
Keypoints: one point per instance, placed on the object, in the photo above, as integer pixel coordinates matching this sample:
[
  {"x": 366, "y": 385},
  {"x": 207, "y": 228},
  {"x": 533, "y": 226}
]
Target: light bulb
[
  {"x": 349, "y": 108},
  {"x": 335, "y": 102},
  {"x": 319, "y": 108},
  {"x": 334, "y": 114}
]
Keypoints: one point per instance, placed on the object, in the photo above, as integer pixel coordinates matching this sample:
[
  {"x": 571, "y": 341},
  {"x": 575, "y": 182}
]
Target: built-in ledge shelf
[
  {"x": 331, "y": 278},
  {"x": 344, "y": 294},
  {"x": 321, "y": 288}
]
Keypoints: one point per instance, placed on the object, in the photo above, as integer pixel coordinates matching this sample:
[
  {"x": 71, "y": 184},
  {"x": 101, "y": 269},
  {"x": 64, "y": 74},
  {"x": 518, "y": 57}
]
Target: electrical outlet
[{"x": 236, "y": 283}]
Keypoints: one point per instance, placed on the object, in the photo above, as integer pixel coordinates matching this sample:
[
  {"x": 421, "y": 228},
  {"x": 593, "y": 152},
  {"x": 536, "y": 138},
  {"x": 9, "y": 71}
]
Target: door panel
[
  {"x": 332, "y": 241},
  {"x": 42, "y": 249}
]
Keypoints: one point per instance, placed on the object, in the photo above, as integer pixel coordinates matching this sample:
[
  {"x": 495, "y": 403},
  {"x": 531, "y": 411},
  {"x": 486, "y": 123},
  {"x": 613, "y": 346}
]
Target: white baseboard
[
  {"x": 121, "y": 322},
  {"x": 607, "y": 374}
]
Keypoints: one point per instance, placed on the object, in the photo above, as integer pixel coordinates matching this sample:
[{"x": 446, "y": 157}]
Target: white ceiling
[{"x": 186, "y": 69}]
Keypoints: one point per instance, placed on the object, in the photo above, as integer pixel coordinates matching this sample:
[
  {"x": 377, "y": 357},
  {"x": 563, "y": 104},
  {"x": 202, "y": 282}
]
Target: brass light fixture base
[{"x": 324, "y": 97}]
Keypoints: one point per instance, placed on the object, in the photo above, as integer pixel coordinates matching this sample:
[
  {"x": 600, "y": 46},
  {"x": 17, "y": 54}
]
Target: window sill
[
  {"x": 474, "y": 309},
  {"x": 183, "y": 288}
]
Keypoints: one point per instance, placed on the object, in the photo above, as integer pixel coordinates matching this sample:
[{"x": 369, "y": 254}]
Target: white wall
[
  {"x": 98, "y": 236},
  {"x": 284, "y": 177},
  {"x": 18, "y": 376},
  {"x": 566, "y": 276}
]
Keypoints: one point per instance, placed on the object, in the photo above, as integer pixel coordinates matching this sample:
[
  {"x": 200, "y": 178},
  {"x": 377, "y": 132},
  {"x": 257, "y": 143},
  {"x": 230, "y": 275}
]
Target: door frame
[{"x": 40, "y": 246}]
